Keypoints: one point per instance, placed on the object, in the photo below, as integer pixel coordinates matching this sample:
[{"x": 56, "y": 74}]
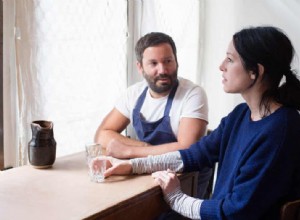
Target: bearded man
[{"x": 167, "y": 112}]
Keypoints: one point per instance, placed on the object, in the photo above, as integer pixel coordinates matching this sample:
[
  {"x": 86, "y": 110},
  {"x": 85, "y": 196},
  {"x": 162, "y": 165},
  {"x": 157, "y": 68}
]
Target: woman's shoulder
[
  {"x": 284, "y": 121},
  {"x": 286, "y": 114}
]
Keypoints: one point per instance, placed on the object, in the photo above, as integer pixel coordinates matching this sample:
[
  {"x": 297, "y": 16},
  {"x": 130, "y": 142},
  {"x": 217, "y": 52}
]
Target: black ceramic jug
[{"x": 42, "y": 146}]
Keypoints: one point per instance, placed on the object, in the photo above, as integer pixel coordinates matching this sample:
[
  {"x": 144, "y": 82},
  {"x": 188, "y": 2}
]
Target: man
[{"x": 167, "y": 113}]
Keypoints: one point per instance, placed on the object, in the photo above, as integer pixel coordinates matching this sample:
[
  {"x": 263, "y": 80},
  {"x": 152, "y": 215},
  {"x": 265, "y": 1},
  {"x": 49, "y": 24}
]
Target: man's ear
[{"x": 139, "y": 67}]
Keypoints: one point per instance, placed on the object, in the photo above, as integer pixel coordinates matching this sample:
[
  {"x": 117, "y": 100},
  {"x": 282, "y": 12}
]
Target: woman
[{"x": 257, "y": 145}]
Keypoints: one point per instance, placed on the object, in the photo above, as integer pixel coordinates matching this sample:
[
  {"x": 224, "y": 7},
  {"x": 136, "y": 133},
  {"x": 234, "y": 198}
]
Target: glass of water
[{"x": 96, "y": 161}]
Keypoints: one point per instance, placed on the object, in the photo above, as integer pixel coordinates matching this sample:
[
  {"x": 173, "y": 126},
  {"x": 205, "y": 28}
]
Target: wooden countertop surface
[{"x": 66, "y": 192}]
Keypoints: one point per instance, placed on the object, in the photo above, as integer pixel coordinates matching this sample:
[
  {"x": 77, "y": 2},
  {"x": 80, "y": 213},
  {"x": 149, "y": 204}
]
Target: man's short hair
[{"x": 153, "y": 39}]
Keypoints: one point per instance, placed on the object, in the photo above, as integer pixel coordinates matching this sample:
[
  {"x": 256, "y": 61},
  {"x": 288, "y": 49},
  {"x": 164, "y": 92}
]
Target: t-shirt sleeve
[
  {"x": 196, "y": 104},
  {"x": 122, "y": 104},
  {"x": 127, "y": 100}
]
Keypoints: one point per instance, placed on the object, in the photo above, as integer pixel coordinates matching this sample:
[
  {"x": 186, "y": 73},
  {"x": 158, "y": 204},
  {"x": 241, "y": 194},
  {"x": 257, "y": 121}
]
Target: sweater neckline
[{"x": 265, "y": 119}]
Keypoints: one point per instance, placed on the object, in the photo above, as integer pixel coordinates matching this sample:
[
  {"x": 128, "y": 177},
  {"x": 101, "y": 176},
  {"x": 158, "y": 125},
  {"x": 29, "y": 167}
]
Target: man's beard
[{"x": 164, "y": 87}]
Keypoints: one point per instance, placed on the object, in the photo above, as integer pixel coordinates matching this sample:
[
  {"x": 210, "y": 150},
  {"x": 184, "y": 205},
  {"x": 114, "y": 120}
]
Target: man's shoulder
[
  {"x": 136, "y": 89},
  {"x": 186, "y": 83},
  {"x": 138, "y": 86},
  {"x": 188, "y": 86}
]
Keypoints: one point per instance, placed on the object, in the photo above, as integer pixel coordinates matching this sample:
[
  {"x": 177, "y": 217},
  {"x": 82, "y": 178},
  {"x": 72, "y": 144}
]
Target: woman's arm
[
  {"x": 148, "y": 164},
  {"x": 178, "y": 201}
]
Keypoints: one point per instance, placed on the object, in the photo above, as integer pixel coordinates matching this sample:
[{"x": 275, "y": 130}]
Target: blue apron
[{"x": 158, "y": 132}]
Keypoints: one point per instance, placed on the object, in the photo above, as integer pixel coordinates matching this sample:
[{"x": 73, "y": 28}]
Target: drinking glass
[{"x": 96, "y": 162}]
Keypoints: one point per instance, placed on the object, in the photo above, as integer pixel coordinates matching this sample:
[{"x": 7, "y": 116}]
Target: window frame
[{"x": 1, "y": 89}]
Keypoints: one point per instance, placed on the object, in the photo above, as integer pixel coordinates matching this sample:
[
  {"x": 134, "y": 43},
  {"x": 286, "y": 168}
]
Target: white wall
[{"x": 222, "y": 20}]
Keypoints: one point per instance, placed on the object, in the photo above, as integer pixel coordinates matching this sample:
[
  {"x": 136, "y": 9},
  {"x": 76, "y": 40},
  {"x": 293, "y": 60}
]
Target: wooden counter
[{"x": 66, "y": 192}]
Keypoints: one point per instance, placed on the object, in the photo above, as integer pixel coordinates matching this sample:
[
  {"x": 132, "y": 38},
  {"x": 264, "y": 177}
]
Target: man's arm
[
  {"x": 190, "y": 130},
  {"x": 111, "y": 127}
]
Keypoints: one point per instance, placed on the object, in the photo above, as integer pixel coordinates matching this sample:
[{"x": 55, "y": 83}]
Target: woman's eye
[{"x": 229, "y": 59}]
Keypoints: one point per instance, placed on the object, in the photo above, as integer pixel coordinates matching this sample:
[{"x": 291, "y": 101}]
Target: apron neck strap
[
  {"x": 141, "y": 99},
  {"x": 170, "y": 99}
]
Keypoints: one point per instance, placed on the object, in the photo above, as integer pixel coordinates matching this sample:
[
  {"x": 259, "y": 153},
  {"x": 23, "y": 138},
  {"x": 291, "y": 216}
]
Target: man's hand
[
  {"x": 118, "y": 149},
  {"x": 167, "y": 180},
  {"x": 117, "y": 167}
]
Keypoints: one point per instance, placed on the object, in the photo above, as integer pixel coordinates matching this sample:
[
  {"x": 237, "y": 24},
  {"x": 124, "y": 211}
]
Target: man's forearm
[
  {"x": 120, "y": 146},
  {"x": 104, "y": 137},
  {"x": 145, "y": 151}
]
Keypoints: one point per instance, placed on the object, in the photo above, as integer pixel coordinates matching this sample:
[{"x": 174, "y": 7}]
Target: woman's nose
[{"x": 222, "y": 67}]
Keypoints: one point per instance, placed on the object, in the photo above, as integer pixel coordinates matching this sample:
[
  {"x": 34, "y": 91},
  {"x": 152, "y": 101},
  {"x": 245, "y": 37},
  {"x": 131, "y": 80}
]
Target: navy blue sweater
[{"x": 258, "y": 164}]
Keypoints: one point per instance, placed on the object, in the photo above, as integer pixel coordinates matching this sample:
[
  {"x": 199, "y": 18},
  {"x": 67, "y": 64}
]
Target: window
[{"x": 68, "y": 61}]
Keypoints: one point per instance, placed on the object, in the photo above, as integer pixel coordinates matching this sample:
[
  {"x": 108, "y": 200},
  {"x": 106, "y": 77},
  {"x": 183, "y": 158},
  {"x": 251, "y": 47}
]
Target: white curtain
[
  {"x": 69, "y": 61},
  {"x": 182, "y": 20},
  {"x": 70, "y": 65}
]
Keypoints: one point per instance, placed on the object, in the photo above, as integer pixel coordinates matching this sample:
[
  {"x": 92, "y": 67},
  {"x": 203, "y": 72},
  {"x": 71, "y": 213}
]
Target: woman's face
[{"x": 235, "y": 78}]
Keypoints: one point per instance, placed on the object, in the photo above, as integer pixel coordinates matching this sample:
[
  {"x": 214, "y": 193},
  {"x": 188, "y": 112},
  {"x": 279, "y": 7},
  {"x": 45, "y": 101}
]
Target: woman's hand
[
  {"x": 117, "y": 167},
  {"x": 167, "y": 180},
  {"x": 178, "y": 201}
]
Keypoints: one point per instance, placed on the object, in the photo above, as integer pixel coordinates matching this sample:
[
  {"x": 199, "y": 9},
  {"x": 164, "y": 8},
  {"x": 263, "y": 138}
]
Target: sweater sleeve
[
  {"x": 204, "y": 153},
  {"x": 151, "y": 163}
]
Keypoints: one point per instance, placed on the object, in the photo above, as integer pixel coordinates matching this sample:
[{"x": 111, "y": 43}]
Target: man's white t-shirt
[{"x": 190, "y": 101}]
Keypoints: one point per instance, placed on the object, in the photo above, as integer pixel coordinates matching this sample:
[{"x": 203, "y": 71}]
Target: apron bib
[{"x": 158, "y": 132}]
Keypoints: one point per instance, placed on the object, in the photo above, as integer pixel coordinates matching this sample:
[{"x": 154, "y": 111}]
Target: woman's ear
[
  {"x": 261, "y": 69},
  {"x": 252, "y": 75}
]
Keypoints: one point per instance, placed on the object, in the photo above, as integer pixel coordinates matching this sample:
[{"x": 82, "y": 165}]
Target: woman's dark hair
[
  {"x": 153, "y": 39},
  {"x": 271, "y": 48}
]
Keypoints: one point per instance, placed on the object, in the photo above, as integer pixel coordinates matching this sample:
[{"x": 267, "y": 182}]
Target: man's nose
[{"x": 162, "y": 68}]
